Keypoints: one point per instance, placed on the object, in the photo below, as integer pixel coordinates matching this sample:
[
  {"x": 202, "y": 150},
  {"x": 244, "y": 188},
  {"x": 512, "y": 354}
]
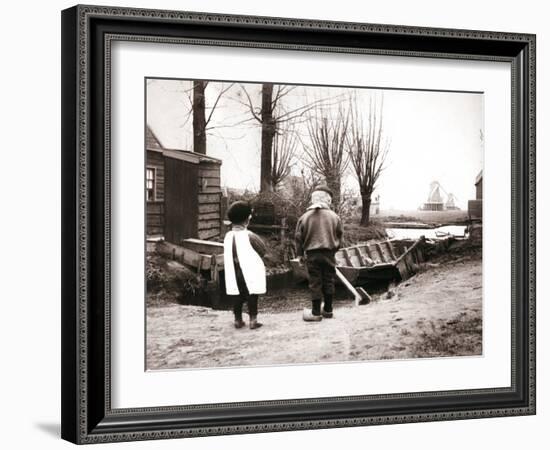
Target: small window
[{"x": 150, "y": 184}]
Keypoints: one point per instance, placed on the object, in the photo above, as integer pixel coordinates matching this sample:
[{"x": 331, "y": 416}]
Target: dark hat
[
  {"x": 238, "y": 212},
  {"x": 323, "y": 187}
]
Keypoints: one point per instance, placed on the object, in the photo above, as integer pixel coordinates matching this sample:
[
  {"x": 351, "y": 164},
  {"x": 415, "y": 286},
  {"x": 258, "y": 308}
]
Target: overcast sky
[{"x": 433, "y": 135}]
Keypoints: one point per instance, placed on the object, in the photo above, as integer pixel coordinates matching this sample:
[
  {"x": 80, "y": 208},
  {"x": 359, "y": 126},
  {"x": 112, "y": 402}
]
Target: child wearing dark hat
[
  {"x": 318, "y": 236},
  {"x": 244, "y": 268}
]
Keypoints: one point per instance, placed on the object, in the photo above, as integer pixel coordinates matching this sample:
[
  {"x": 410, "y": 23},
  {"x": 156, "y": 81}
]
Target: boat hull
[{"x": 383, "y": 262}]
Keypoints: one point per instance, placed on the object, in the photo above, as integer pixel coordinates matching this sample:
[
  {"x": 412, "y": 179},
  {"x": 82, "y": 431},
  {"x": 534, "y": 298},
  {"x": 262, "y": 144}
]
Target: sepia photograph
[
  {"x": 309, "y": 224},
  {"x": 280, "y": 223}
]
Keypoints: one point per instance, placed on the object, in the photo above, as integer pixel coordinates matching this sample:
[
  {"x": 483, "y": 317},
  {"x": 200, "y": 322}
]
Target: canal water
[{"x": 428, "y": 233}]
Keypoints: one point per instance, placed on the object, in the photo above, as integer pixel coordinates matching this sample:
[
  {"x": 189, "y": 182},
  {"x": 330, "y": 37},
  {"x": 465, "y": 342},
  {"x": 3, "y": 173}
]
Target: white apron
[{"x": 251, "y": 264}]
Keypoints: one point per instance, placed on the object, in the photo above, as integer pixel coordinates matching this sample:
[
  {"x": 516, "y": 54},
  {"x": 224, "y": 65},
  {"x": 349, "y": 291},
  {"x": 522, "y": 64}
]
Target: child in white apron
[{"x": 243, "y": 265}]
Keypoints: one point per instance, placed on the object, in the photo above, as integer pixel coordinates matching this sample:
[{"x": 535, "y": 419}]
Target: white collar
[{"x": 318, "y": 206}]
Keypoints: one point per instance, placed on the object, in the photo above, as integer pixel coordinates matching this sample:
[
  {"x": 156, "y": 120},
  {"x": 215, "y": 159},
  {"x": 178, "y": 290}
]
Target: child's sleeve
[
  {"x": 298, "y": 239},
  {"x": 257, "y": 244}
]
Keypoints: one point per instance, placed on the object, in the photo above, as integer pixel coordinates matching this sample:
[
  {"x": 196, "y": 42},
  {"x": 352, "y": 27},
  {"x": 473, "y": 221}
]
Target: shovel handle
[{"x": 357, "y": 297}]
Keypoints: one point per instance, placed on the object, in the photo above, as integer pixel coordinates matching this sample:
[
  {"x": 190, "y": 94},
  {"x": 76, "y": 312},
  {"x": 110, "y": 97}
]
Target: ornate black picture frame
[{"x": 87, "y": 34}]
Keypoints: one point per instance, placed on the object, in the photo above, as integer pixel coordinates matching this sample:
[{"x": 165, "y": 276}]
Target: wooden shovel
[{"x": 360, "y": 296}]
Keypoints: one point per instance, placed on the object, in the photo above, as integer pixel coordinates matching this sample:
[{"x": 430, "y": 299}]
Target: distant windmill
[
  {"x": 451, "y": 202},
  {"x": 435, "y": 199},
  {"x": 436, "y": 202}
]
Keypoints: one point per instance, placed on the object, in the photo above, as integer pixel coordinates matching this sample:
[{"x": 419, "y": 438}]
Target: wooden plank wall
[
  {"x": 479, "y": 190},
  {"x": 155, "y": 218},
  {"x": 475, "y": 209},
  {"x": 209, "y": 221}
]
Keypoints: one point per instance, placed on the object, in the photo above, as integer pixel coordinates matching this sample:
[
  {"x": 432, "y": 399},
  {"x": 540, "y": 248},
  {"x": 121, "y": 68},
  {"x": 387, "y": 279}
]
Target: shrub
[
  {"x": 155, "y": 276},
  {"x": 163, "y": 276}
]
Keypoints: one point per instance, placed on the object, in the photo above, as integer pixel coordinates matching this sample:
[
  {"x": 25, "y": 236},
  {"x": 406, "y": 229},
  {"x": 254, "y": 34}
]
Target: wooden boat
[{"x": 372, "y": 262}]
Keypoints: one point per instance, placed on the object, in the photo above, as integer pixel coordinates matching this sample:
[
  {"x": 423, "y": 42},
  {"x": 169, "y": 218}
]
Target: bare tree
[
  {"x": 326, "y": 150},
  {"x": 199, "y": 116},
  {"x": 200, "y": 120},
  {"x": 272, "y": 114},
  {"x": 285, "y": 145},
  {"x": 367, "y": 148},
  {"x": 269, "y": 129}
]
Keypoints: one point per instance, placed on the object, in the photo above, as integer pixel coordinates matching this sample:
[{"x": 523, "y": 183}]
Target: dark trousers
[
  {"x": 321, "y": 269},
  {"x": 243, "y": 297}
]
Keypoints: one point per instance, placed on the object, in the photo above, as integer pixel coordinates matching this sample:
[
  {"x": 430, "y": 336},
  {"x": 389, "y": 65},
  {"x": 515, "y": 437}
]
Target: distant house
[
  {"x": 475, "y": 207},
  {"x": 182, "y": 193},
  {"x": 375, "y": 206}
]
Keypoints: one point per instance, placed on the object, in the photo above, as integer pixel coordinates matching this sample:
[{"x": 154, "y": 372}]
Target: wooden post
[
  {"x": 223, "y": 214},
  {"x": 214, "y": 269},
  {"x": 283, "y": 229},
  {"x": 199, "y": 265}
]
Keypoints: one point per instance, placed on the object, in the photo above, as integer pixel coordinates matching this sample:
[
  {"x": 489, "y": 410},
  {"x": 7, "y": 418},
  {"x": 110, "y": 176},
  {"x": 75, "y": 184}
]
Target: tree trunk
[
  {"x": 334, "y": 183},
  {"x": 199, "y": 117},
  {"x": 268, "y": 133},
  {"x": 365, "y": 212}
]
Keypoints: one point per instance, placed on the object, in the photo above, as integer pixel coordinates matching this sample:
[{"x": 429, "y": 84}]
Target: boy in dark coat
[{"x": 318, "y": 236}]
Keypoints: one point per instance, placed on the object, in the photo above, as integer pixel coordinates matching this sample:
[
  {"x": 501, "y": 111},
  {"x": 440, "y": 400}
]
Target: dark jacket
[{"x": 318, "y": 228}]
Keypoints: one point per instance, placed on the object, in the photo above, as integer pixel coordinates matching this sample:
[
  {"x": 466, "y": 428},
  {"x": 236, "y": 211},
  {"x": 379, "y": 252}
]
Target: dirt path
[{"x": 435, "y": 313}]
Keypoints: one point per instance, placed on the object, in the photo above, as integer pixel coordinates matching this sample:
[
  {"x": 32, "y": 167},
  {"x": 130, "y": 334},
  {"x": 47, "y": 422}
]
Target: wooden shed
[
  {"x": 479, "y": 186},
  {"x": 475, "y": 207},
  {"x": 183, "y": 193}
]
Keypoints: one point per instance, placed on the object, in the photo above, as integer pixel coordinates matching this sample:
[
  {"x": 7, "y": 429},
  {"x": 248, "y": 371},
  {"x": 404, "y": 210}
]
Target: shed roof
[
  {"x": 153, "y": 143},
  {"x": 192, "y": 157}
]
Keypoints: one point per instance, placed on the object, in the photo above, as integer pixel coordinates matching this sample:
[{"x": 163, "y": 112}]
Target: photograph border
[{"x": 87, "y": 35}]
